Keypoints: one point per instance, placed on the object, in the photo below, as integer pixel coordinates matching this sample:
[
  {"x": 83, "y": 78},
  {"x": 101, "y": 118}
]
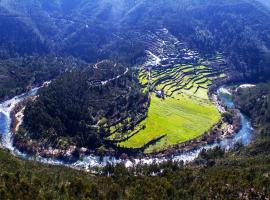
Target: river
[{"x": 244, "y": 136}]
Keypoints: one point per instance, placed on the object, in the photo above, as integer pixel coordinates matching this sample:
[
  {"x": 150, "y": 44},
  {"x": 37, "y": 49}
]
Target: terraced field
[{"x": 177, "y": 81}]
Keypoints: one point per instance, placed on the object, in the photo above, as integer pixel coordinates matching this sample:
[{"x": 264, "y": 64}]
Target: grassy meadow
[
  {"x": 184, "y": 113},
  {"x": 179, "y": 118}
]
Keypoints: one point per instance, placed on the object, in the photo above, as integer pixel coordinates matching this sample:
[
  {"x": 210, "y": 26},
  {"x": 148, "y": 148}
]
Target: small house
[{"x": 160, "y": 93}]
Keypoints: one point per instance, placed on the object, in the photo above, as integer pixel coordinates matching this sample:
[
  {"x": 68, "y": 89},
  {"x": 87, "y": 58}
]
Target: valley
[
  {"x": 90, "y": 162},
  {"x": 134, "y": 99},
  {"x": 171, "y": 104},
  {"x": 181, "y": 114}
]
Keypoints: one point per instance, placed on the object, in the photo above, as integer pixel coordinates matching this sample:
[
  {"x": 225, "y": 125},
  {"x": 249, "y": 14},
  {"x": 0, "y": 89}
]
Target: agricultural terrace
[{"x": 183, "y": 112}]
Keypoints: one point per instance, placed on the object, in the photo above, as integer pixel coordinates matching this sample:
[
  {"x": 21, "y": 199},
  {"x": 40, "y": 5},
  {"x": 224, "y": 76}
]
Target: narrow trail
[{"x": 117, "y": 77}]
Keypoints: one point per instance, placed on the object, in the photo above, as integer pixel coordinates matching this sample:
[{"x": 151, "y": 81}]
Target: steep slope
[
  {"x": 220, "y": 177},
  {"x": 96, "y": 29},
  {"x": 17, "y": 37},
  {"x": 19, "y": 75},
  {"x": 255, "y": 103},
  {"x": 80, "y": 107},
  {"x": 84, "y": 29},
  {"x": 239, "y": 29}
]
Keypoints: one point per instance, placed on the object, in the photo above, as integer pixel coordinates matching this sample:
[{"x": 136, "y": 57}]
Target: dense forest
[
  {"x": 85, "y": 30},
  {"x": 241, "y": 174},
  {"x": 101, "y": 29},
  {"x": 79, "y": 107}
]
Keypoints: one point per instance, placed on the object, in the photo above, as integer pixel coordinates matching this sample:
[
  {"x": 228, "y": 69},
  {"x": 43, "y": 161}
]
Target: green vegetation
[
  {"x": 83, "y": 107},
  {"x": 214, "y": 175},
  {"x": 184, "y": 113},
  {"x": 242, "y": 173},
  {"x": 180, "y": 119}
]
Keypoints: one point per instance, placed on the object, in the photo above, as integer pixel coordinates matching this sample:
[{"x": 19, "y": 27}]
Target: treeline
[{"x": 79, "y": 107}]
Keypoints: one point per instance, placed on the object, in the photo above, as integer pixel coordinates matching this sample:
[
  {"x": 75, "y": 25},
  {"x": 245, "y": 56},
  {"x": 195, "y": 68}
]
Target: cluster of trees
[
  {"x": 78, "y": 109},
  {"x": 95, "y": 30}
]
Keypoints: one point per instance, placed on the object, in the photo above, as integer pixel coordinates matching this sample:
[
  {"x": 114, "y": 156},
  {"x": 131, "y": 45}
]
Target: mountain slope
[
  {"x": 93, "y": 30},
  {"x": 80, "y": 108},
  {"x": 229, "y": 177}
]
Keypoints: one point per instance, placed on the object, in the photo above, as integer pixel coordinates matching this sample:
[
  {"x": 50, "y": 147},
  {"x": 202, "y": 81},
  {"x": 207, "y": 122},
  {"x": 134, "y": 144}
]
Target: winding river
[{"x": 244, "y": 136}]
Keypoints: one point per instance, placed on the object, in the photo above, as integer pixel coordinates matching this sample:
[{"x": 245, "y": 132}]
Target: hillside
[
  {"x": 81, "y": 107},
  {"x": 254, "y": 102},
  {"x": 242, "y": 173},
  {"x": 101, "y": 30},
  {"x": 238, "y": 176},
  {"x": 21, "y": 74},
  {"x": 59, "y": 27},
  {"x": 135, "y": 99}
]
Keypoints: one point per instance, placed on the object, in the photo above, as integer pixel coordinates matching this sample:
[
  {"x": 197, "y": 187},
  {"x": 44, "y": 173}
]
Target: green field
[
  {"x": 180, "y": 119},
  {"x": 184, "y": 113}
]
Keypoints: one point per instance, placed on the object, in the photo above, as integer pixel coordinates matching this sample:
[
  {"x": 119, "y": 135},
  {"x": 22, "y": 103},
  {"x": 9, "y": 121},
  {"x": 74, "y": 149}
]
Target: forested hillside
[
  {"x": 129, "y": 87},
  {"x": 215, "y": 176},
  {"x": 98, "y": 30},
  {"x": 83, "y": 29},
  {"x": 80, "y": 107}
]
